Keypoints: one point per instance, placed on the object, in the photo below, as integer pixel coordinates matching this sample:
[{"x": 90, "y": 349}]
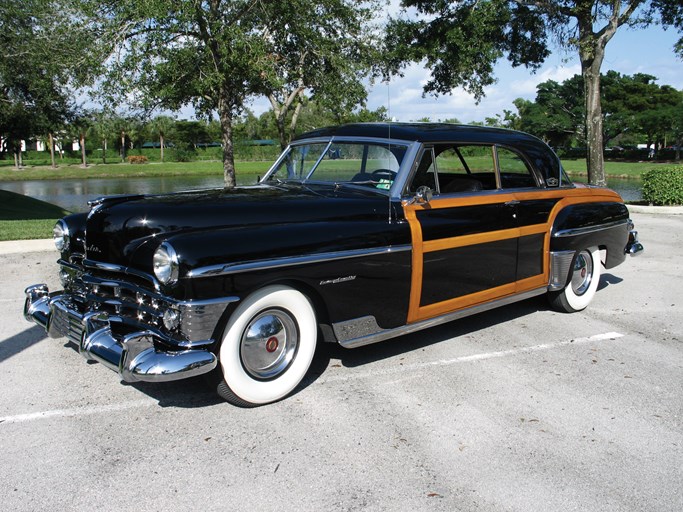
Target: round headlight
[
  {"x": 60, "y": 234},
  {"x": 165, "y": 264}
]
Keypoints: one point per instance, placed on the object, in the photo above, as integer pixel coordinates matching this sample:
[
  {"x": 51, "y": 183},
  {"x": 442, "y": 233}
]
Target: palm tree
[{"x": 162, "y": 126}]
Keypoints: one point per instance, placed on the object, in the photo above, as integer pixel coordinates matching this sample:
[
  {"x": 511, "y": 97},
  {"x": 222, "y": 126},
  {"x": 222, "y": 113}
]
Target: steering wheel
[{"x": 383, "y": 174}]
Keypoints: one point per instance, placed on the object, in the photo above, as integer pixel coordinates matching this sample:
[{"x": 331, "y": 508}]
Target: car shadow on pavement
[
  {"x": 608, "y": 280},
  {"x": 19, "y": 342},
  {"x": 433, "y": 335},
  {"x": 185, "y": 394}
]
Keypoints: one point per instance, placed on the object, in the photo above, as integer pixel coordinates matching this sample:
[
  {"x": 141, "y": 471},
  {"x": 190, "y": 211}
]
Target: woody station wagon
[{"x": 357, "y": 234}]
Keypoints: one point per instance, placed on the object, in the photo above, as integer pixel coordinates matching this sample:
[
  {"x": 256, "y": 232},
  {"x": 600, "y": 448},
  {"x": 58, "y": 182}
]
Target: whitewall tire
[
  {"x": 268, "y": 345},
  {"x": 583, "y": 282}
]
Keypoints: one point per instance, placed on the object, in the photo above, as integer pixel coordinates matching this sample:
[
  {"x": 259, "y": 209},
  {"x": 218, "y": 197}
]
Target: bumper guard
[{"x": 133, "y": 356}]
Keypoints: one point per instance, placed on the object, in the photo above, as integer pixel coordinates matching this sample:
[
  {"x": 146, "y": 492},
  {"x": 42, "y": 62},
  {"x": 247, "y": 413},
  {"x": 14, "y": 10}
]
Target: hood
[{"x": 120, "y": 227}]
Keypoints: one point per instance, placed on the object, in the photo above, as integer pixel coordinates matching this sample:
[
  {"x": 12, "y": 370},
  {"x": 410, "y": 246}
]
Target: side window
[
  {"x": 514, "y": 172},
  {"x": 465, "y": 168},
  {"x": 425, "y": 173}
]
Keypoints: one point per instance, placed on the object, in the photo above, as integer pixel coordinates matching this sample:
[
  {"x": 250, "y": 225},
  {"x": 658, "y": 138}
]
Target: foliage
[
  {"x": 137, "y": 159},
  {"x": 631, "y": 105},
  {"x": 664, "y": 187},
  {"x": 461, "y": 41},
  {"x": 217, "y": 54},
  {"x": 39, "y": 67},
  {"x": 326, "y": 49}
]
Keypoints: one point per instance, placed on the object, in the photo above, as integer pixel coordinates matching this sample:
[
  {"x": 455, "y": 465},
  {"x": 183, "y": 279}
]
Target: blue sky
[{"x": 630, "y": 51}]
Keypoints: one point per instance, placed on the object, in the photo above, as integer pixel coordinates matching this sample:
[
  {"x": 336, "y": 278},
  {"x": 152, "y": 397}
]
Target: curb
[
  {"x": 26, "y": 246},
  {"x": 655, "y": 210}
]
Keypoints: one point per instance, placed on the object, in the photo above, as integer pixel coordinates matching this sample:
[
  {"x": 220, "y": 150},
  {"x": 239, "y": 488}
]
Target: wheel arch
[{"x": 318, "y": 303}]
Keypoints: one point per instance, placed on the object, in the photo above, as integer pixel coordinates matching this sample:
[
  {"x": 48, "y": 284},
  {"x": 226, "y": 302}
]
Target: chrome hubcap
[
  {"x": 269, "y": 344},
  {"x": 583, "y": 273}
]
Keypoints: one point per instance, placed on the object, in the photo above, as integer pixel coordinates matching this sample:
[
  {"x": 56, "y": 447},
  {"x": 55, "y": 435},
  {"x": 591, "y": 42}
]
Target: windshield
[{"x": 370, "y": 164}]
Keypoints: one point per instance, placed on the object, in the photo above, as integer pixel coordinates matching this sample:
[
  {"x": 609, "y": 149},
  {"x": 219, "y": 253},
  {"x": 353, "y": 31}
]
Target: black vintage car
[{"x": 357, "y": 234}]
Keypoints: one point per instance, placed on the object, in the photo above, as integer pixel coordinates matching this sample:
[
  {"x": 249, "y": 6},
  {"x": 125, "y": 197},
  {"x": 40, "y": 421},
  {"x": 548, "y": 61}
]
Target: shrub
[
  {"x": 183, "y": 155},
  {"x": 137, "y": 159},
  {"x": 664, "y": 187}
]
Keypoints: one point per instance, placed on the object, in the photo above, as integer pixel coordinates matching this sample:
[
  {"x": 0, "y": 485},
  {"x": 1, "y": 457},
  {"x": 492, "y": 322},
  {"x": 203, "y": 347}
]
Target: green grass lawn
[{"x": 25, "y": 218}]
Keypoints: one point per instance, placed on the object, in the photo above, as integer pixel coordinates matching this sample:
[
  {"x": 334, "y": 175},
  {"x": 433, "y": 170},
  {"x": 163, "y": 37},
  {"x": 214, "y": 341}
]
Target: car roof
[{"x": 422, "y": 132}]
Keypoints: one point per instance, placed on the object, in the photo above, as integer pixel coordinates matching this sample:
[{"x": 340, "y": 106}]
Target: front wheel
[
  {"x": 582, "y": 285},
  {"x": 267, "y": 348}
]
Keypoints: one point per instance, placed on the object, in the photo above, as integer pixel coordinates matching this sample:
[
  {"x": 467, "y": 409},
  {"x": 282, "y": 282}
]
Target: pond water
[{"x": 74, "y": 194}]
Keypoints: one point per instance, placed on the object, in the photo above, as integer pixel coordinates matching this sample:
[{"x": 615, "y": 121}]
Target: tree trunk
[
  {"x": 594, "y": 138},
  {"x": 225, "y": 113},
  {"x": 295, "y": 119},
  {"x": 280, "y": 122},
  {"x": 123, "y": 146},
  {"x": 51, "y": 142},
  {"x": 81, "y": 142},
  {"x": 161, "y": 145}
]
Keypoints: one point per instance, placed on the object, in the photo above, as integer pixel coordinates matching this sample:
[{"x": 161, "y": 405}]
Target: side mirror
[{"x": 423, "y": 195}]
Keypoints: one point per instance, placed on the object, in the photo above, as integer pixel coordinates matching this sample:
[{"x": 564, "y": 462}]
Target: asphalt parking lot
[{"x": 519, "y": 409}]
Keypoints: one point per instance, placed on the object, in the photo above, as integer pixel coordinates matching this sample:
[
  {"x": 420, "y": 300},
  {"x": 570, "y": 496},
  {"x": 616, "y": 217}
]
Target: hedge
[{"x": 664, "y": 187}]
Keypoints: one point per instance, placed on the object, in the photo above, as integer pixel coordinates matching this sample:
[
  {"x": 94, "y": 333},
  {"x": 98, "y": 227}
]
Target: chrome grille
[
  {"x": 128, "y": 302},
  {"x": 121, "y": 299},
  {"x": 65, "y": 322}
]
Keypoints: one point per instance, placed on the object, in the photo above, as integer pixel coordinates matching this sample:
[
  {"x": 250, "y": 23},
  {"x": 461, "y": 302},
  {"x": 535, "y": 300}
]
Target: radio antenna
[{"x": 389, "y": 104}]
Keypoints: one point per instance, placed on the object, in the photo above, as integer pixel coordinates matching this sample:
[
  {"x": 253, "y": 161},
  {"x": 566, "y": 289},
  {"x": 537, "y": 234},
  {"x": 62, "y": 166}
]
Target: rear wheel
[
  {"x": 267, "y": 348},
  {"x": 582, "y": 285}
]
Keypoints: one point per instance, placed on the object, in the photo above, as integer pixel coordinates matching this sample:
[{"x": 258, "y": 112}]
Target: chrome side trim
[
  {"x": 588, "y": 229},
  {"x": 406, "y": 329},
  {"x": 560, "y": 265},
  {"x": 268, "y": 264}
]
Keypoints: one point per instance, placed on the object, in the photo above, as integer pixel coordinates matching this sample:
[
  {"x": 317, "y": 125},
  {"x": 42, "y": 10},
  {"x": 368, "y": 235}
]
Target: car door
[{"x": 466, "y": 238}]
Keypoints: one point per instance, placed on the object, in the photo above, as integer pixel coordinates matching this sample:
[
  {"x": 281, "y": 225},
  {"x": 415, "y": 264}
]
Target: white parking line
[
  {"x": 77, "y": 411},
  {"x": 98, "y": 409},
  {"x": 475, "y": 357}
]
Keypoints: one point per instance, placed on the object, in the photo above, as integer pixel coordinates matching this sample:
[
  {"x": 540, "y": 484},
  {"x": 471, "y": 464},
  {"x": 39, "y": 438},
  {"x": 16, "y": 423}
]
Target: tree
[
  {"x": 461, "y": 41},
  {"x": 325, "y": 48},
  {"x": 162, "y": 126},
  {"x": 79, "y": 127},
  {"x": 103, "y": 127},
  {"x": 39, "y": 67},
  {"x": 634, "y": 104},
  {"x": 556, "y": 115},
  {"x": 213, "y": 54}
]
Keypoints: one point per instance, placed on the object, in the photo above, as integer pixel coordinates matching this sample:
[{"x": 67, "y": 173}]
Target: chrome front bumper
[{"x": 133, "y": 356}]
